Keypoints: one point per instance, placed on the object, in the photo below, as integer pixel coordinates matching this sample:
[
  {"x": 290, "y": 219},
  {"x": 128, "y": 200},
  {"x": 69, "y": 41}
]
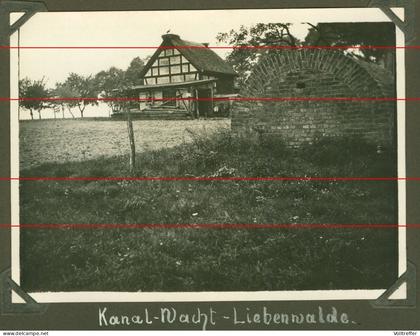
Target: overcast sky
[{"x": 143, "y": 29}]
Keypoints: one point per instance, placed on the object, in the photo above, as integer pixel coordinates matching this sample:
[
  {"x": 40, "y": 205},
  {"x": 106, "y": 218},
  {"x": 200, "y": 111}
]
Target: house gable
[
  {"x": 178, "y": 61},
  {"x": 168, "y": 65}
]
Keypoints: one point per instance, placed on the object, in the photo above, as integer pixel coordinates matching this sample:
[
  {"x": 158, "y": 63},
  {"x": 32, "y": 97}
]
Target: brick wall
[{"x": 316, "y": 73}]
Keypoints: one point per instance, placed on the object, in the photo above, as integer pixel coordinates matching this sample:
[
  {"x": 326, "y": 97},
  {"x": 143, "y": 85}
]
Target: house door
[{"x": 205, "y": 107}]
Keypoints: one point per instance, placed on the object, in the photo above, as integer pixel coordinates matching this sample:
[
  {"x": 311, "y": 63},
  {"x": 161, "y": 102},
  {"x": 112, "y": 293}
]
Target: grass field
[
  {"x": 194, "y": 259},
  {"x": 82, "y": 139}
]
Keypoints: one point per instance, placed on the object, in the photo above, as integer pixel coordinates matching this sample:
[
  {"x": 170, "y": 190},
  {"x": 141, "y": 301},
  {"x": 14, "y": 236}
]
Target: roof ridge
[{"x": 192, "y": 43}]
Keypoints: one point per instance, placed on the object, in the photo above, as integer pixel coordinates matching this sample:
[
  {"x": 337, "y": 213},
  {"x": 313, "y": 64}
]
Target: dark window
[{"x": 168, "y": 97}]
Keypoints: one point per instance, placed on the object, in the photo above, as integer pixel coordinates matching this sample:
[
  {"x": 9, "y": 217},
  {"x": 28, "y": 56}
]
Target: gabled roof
[{"x": 203, "y": 58}]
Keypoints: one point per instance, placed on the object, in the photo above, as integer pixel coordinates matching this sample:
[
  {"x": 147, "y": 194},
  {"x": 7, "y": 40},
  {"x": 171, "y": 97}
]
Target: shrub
[
  {"x": 351, "y": 156},
  {"x": 338, "y": 150}
]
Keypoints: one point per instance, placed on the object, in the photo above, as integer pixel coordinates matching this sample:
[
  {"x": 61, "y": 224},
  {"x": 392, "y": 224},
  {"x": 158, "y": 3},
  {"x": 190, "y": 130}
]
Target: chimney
[{"x": 169, "y": 36}]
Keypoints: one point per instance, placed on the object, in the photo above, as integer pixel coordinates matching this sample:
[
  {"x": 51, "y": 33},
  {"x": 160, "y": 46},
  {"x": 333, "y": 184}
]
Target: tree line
[{"x": 78, "y": 91}]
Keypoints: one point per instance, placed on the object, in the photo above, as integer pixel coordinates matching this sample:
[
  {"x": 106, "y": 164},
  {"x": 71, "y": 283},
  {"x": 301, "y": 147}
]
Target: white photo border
[{"x": 349, "y": 15}]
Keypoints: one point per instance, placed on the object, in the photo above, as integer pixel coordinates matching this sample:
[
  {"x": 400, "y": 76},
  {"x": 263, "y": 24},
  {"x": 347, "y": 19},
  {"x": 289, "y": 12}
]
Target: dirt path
[{"x": 68, "y": 140}]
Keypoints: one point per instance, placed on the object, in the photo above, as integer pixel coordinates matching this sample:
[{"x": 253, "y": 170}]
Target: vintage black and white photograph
[{"x": 207, "y": 151}]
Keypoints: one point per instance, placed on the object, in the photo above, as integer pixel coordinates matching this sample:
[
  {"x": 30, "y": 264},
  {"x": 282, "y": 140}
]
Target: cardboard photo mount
[{"x": 391, "y": 310}]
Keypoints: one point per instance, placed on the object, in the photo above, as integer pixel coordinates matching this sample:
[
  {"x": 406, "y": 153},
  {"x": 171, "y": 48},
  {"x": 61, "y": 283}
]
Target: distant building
[{"x": 182, "y": 69}]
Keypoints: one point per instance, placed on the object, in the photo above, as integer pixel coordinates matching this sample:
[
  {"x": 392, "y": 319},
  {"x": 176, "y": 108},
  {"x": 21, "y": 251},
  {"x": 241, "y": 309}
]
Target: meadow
[{"x": 225, "y": 257}]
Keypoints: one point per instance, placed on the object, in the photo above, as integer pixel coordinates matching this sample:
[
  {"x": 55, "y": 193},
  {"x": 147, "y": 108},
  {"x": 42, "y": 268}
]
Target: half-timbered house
[{"x": 178, "y": 72}]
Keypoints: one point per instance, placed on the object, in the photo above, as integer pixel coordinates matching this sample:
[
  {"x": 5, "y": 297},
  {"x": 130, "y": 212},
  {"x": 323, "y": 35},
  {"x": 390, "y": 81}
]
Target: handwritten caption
[{"x": 208, "y": 318}]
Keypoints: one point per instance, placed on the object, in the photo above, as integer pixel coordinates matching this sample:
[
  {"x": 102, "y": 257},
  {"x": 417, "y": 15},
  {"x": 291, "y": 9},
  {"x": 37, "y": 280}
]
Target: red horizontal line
[
  {"x": 188, "y": 178},
  {"x": 209, "y": 226},
  {"x": 217, "y": 99},
  {"x": 211, "y": 47}
]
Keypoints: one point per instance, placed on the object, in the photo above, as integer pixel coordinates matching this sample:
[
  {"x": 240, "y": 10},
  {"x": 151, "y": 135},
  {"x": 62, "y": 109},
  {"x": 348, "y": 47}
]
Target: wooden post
[
  {"x": 130, "y": 139},
  {"x": 196, "y": 103},
  {"x": 212, "y": 99}
]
